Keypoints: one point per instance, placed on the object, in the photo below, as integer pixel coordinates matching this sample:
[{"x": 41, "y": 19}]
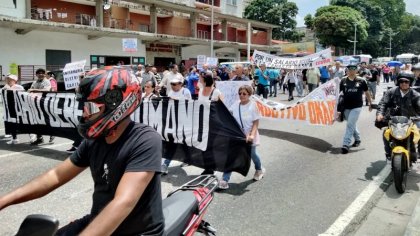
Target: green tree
[
  {"x": 335, "y": 25},
  {"x": 375, "y": 15},
  {"x": 309, "y": 21},
  {"x": 278, "y": 12}
]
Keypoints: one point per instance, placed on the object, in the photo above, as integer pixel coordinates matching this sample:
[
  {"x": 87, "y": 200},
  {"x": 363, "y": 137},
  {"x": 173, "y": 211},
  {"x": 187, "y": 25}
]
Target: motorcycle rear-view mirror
[{"x": 38, "y": 225}]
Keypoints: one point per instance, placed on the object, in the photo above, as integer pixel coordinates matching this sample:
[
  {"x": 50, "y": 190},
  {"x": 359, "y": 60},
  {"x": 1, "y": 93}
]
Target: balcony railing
[
  {"x": 54, "y": 15},
  {"x": 27, "y": 72}
]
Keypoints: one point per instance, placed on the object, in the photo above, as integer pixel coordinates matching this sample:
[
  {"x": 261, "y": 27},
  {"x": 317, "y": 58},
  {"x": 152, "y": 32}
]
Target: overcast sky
[{"x": 310, "y": 6}]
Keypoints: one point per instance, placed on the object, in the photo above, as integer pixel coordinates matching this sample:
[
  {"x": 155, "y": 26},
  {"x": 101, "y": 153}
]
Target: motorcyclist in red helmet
[{"x": 124, "y": 158}]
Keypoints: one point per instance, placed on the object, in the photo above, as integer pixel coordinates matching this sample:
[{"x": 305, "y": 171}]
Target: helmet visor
[{"x": 90, "y": 109}]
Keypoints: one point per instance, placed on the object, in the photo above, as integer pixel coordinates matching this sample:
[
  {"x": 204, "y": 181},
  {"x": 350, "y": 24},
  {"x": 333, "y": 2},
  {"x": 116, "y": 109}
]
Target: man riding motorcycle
[{"x": 401, "y": 100}]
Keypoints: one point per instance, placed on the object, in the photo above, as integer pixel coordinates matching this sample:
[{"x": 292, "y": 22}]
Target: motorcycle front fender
[{"x": 400, "y": 150}]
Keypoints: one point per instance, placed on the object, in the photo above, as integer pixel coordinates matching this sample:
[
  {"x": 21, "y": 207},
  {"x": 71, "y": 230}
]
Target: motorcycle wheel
[{"x": 400, "y": 172}]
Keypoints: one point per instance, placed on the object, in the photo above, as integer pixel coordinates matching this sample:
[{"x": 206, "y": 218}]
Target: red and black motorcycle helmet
[{"x": 114, "y": 90}]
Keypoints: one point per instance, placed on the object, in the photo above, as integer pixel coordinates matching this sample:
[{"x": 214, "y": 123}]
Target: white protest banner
[
  {"x": 129, "y": 44},
  {"x": 229, "y": 89},
  {"x": 72, "y": 72},
  {"x": 318, "y": 108},
  {"x": 201, "y": 60},
  {"x": 212, "y": 61},
  {"x": 322, "y": 58}
]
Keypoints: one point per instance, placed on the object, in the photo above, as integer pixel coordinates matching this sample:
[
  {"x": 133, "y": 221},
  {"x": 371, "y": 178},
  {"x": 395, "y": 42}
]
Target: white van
[{"x": 408, "y": 58}]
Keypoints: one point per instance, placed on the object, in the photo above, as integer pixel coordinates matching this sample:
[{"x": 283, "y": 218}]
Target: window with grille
[
  {"x": 144, "y": 28},
  {"x": 231, "y": 2}
]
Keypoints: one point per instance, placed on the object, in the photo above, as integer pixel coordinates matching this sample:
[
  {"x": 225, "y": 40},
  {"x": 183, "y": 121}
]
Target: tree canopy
[
  {"x": 387, "y": 18},
  {"x": 335, "y": 25},
  {"x": 278, "y": 12}
]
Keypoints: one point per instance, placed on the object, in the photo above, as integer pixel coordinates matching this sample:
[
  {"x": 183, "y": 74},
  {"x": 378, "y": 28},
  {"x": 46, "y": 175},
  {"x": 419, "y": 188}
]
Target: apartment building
[{"x": 55, "y": 32}]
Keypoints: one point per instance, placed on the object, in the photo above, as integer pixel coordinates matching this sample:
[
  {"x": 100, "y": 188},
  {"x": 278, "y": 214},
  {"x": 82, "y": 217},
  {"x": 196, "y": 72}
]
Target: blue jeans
[
  {"x": 351, "y": 115},
  {"x": 273, "y": 87},
  {"x": 255, "y": 158},
  {"x": 372, "y": 88}
]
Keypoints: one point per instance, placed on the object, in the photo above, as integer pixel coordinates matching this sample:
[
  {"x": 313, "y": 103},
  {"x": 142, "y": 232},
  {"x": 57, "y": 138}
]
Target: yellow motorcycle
[{"x": 403, "y": 136}]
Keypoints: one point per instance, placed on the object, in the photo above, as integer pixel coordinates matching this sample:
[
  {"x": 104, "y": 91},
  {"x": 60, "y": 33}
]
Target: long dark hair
[{"x": 208, "y": 79}]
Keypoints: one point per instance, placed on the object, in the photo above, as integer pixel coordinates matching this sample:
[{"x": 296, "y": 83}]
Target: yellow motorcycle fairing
[{"x": 412, "y": 129}]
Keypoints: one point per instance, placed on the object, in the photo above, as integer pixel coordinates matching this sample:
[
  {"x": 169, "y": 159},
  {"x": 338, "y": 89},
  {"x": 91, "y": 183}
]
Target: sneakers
[
  {"x": 259, "y": 174},
  {"x": 223, "y": 185},
  {"x": 13, "y": 141},
  {"x": 164, "y": 169},
  {"x": 344, "y": 149},
  {"x": 356, "y": 143},
  {"x": 71, "y": 150},
  {"x": 37, "y": 141},
  {"x": 7, "y": 136},
  {"x": 51, "y": 141}
]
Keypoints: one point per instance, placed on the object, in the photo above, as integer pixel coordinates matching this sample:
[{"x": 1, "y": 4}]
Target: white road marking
[
  {"x": 33, "y": 150},
  {"x": 346, "y": 218}
]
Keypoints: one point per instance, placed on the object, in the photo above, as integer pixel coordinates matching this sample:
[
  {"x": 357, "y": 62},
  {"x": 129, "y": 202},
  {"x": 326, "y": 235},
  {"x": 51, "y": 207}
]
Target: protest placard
[{"x": 72, "y": 72}]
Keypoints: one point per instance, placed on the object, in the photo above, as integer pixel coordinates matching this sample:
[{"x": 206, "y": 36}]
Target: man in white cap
[
  {"x": 177, "y": 91},
  {"x": 168, "y": 77},
  {"x": 11, "y": 84}
]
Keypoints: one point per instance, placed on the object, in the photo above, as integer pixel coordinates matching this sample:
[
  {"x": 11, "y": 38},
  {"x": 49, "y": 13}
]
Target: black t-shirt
[
  {"x": 375, "y": 75},
  {"x": 137, "y": 150},
  {"x": 353, "y": 92}
]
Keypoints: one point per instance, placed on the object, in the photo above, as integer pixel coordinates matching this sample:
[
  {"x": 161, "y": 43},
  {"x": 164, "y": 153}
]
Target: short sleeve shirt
[
  {"x": 245, "y": 115},
  {"x": 353, "y": 92},
  {"x": 182, "y": 94},
  {"x": 42, "y": 85},
  {"x": 137, "y": 150}
]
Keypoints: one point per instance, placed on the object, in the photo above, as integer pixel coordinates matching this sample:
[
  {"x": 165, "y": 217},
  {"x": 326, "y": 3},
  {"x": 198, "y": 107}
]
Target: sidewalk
[{"x": 395, "y": 214}]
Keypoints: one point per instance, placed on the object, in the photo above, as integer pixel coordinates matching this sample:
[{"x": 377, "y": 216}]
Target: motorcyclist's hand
[{"x": 379, "y": 117}]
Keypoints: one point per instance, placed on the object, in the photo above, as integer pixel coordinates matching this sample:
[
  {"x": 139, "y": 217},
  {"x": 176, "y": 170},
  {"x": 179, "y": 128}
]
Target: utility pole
[
  {"x": 355, "y": 39},
  {"x": 211, "y": 29},
  {"x": 390, "y": 41}
]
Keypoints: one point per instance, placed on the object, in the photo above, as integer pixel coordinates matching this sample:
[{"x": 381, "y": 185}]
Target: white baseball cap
[
  {"x": 176, "y": 80},
  {"x": 12, "y": 76}
]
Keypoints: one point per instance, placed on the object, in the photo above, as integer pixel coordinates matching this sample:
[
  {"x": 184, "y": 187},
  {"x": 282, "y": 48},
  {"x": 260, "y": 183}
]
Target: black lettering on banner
[
  {"x": 48, "y": 100},
  {"x": 153, "y": 115},
  {"x": 170, "y": 126},
  {"x": 185, "y": 120},
  {"x": 23, "y": 112}
]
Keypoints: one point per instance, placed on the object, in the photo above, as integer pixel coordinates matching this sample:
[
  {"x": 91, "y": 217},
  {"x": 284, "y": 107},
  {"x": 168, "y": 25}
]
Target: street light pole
[
  {"x": 390, "y": 45},
  {"x": 355, "y": 39},
  {"x": 390, "y": 41},
  {"x": 211, "y": 29}
]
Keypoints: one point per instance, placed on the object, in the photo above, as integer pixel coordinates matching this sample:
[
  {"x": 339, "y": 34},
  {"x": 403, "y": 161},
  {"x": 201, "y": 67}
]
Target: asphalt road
[{"x": 308, "y": 182}]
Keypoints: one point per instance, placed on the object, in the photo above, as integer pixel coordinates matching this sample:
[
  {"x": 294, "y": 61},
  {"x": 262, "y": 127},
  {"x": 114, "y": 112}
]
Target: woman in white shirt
[
  {"x": 246, "y": 114},
  {"x": 207, "y": 90},
  {"x": 290, "y": 79},
  {"x": 149, "y": 88},
  {"x": 11, "y": 84}
]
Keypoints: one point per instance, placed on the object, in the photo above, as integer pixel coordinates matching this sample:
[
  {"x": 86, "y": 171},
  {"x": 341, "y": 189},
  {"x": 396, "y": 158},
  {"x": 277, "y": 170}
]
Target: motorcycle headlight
[{"x": 399, "y": 131}]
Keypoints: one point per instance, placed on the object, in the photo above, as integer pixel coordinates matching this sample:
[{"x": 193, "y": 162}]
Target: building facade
[{"x": 55, "y": 32}]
